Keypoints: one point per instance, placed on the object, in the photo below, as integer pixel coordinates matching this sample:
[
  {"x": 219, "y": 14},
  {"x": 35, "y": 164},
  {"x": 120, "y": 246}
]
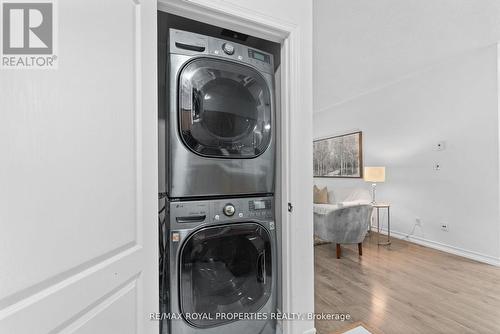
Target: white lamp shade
[{"x": 374, "y": 174}]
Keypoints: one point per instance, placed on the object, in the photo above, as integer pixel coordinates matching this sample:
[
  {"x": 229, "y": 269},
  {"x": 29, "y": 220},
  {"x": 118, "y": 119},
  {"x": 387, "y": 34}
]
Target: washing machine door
[
  {"x": 224, "y": 269},
  {"x": 225, "y": 109}
]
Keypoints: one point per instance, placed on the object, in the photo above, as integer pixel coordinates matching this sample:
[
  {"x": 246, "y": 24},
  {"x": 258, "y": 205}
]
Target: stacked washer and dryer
[{"x": 220, "y": 235}]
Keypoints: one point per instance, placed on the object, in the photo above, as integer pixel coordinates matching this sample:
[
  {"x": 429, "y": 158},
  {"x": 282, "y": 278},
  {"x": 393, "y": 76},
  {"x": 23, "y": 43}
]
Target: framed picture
[{"x": 339, "y": 156}]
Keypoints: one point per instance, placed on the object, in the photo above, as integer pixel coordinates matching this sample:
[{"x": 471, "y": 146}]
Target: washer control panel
[
  {"x": 221, "y": 210},
  {"x": 228, "y": 48},
  {"x": 260, "y": 208},
  {"x": 243, "y": 208}
]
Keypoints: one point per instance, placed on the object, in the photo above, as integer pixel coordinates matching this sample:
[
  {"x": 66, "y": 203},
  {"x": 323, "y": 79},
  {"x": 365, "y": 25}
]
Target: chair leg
[
  {"x": 339, "y": 251},
  {"x": 360, "y": 248}
]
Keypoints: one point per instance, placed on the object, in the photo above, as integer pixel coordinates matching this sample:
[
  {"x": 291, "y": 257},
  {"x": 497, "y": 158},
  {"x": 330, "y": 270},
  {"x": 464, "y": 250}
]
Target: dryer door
[
  {"x": 224, "y": 269},
  {"x": 225, "y": 109}
]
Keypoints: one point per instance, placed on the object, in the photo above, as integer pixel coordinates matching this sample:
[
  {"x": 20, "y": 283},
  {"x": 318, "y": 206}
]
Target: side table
[{"x": 387, "y": 206}]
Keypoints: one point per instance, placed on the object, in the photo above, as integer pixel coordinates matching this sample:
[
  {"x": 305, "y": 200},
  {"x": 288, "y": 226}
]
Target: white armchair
[{"x": 345, "y": 219}]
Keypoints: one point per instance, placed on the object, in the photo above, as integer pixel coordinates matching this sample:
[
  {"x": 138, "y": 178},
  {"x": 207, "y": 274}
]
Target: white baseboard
[
  {"x": 310, "y": 331},
  {"x": 443, "y": 247}
]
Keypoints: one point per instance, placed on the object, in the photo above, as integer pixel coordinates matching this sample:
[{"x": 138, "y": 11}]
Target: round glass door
[
  {"x": 224, "y": 109},
  {"x": 224, "y": 269}
]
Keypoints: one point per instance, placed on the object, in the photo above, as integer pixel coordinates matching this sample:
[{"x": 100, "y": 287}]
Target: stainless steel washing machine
[
  {"x": 220, "y": 137},
  {"x": 222, "y": 267}
]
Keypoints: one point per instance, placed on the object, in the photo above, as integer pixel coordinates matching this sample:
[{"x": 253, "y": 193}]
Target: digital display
[
  {"x": 259, "y": 205},
  {"x": 259, "y": 56}
]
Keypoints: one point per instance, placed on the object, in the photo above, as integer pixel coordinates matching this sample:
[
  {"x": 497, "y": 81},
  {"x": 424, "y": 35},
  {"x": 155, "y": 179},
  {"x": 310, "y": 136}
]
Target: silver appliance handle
[
  {"x": 195, "y": 105},
  {"x": 190, "y": 219},
  {"x": 261, "y": 267}
]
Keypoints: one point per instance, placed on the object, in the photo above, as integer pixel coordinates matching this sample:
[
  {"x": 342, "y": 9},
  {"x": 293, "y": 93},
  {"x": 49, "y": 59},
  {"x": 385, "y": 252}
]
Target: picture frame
[{"x": 339, "y": 156}]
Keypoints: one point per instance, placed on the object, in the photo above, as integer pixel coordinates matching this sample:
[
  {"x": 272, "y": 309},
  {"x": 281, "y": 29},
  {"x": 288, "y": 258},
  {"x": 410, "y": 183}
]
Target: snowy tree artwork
[{"x": 339, "y": 156}]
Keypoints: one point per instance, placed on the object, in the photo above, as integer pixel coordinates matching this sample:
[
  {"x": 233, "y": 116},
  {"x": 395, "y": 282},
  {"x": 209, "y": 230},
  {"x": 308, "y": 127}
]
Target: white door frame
[{"x": 229, "y": 15}]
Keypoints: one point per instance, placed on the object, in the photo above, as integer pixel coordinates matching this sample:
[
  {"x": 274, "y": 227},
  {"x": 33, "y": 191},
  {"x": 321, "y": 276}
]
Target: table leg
[
  {"x": 378, "y": 226},
  {"x": 388, "y": 225},
  {"x": 388, "y": 242}
]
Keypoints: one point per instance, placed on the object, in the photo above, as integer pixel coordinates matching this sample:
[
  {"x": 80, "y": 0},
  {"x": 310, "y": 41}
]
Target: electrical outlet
[
  {"x": 444, "y": 227},
  {"x": 440, "y": 146}
]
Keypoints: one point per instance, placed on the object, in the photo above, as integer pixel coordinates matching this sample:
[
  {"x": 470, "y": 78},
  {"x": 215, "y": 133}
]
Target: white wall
[
  {"x": 368, "y": 43},
  {"x": 456, "y": 101}
]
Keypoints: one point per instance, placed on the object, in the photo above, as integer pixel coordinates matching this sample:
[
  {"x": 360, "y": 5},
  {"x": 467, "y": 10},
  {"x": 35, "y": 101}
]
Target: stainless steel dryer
[
  {"x": 222, "y": 266},
  {"x": 220, "y": 123}
]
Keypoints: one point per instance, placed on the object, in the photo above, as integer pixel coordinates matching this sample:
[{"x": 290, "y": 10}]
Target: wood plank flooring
[{"x": 406, "y": 288}]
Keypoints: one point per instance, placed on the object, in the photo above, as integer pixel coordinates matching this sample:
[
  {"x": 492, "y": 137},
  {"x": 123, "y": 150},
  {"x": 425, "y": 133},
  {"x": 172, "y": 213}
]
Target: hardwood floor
[{"x": 406, "y": 288}]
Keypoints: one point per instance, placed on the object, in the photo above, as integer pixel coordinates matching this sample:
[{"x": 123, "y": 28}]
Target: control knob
[
  {"x": 228, "y": 48},
  {"x": 229, "y": 210}
]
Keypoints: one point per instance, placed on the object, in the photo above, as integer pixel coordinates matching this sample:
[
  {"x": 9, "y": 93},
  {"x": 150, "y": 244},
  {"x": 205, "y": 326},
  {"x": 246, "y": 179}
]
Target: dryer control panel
[{"x": 188, "y": 43}]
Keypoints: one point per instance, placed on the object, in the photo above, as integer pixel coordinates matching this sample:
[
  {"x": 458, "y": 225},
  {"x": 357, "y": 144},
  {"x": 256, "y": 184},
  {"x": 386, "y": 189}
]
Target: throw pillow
[{"x": 320, "y": 195}]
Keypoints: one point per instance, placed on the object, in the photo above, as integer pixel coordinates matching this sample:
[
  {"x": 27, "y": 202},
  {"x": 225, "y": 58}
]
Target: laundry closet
[{"x": 220, "y": 244}]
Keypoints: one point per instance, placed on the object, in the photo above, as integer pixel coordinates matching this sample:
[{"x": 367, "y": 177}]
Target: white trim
[
  {"x": 444, "y": 247},
  {"x": 284, "y": 150},
  {"x": 310, "y": 331},
  {"x": 498, "y": 127},
  {"x": 231, "y": 15}
]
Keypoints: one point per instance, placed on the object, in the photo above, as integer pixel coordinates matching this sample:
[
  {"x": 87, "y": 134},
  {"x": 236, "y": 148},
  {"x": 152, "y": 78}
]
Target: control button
[
  {"x": 228, "y": 48},
  {"x": 240, "y": 214},
  {"x": 176, "y": 237},
  {"x": 229, "y": 210},
  {"x": 217, "y": 217}
]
